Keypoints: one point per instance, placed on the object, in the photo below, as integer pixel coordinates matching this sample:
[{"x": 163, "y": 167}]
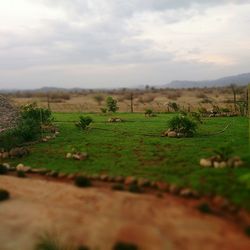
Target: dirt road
[{"x": 99, "y": 217}]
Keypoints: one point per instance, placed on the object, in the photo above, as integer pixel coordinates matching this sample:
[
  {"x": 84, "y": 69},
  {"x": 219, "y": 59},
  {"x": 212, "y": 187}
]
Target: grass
[{"x": 136, "y": 148}]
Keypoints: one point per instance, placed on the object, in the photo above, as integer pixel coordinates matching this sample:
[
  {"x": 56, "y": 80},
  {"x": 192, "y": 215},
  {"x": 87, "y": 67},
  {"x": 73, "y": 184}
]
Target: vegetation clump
[
  {"x": 4, "y": 195},
  {"x": 3, "y": 170},
  {"x": 21, "y": 174},
  {"x": 84, "y": 122},
  {"x": 182, "y": 126},
  {"x": 111, "y": 104},
  {"x": 81, "y": 181}
]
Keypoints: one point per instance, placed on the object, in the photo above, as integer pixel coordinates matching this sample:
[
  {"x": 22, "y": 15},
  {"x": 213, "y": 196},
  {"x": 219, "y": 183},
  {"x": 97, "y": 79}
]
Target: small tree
[
  {"x": 98, "y": 99},
  {"x": 84, "y": 122},
  {"x": 111, "y": 104}
]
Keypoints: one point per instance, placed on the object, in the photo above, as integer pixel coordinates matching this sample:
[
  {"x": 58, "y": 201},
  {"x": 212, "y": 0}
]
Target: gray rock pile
[{"x": 8, "y": 114}]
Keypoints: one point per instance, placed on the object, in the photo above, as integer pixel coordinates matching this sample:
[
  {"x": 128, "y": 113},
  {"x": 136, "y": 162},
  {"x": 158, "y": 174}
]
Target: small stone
[
  {"x": 5, "y": 155},
  {"x": 143, "y": 183},
  {"x": 162, "y": 186},
  {"x": 62, "y": 175},
  {"x": 220, "y": 202},
  {"x": 68, "y": 155},
  {"x": 130, "y": 180},
  {"x": 52, "y": 173},
  {"x": 21, "y": 167},
  {"x": 104, "y": 177},
  {"x": 44, "y": 140},
  {"x": 119, "y": 179},
  {"x": 71, "y": 176},
  {"x": 221, "y": 164},
  {"x": 7, "y": 165},
  {"x": 172, "y": 134},
  {"x": 206, "y": 163},
  {"x": 238, "y": 163},
  {"x": 186, "y": 192},
  {"x": 173, "y": 189}
]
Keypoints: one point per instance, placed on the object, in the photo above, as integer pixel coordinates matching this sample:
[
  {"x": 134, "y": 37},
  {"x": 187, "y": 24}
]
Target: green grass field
[{"x": 135, "y": 147}]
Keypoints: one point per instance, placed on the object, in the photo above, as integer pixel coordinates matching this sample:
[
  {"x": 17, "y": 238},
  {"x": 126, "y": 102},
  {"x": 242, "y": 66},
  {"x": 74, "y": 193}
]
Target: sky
[{"x": 117, "y": 43}]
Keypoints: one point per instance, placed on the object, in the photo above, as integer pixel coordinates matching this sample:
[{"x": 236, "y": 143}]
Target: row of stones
[
  {"x": 216, "y": 162},
  {"x": 23, "y": 151},
  {"x": 217, "y": 201}
]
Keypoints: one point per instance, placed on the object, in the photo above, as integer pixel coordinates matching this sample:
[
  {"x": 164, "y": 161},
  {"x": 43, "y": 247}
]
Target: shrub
[
  {"x": 4, "y": 195},
  {"x": 134, "y": 188},
  {"x": 183, "y": 124},
  {"x": 148, "y": 112},
  {"x": 174, "y": 106},
  {"x": 111, "y": 104},
  {"x": 84, "y": 122},
  {"x": 103, "y": 110},
  {"x": 118, "y": 186},
  {"x": 40, "y": 115},
  {"x": 98, "y": 99},
  {"x": 3, "y": 170},
  {"x": 224, "y": 152},
  {"x": 204, "y": 208},
  {"x": 124, "y": 246},
  {"x": 21, "y": 174},
  {"x": 81, "y": 181}
]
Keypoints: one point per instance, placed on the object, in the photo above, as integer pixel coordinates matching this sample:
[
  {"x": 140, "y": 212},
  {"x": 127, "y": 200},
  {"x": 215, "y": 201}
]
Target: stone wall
[{"x": 8, "y": 114}]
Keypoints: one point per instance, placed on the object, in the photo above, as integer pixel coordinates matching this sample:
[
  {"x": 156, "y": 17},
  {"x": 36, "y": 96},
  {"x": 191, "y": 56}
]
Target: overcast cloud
[{"x": 117, "y": 43}]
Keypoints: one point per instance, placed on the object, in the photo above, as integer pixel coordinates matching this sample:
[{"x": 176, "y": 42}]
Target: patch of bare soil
[{"x": 99, "y": 217}]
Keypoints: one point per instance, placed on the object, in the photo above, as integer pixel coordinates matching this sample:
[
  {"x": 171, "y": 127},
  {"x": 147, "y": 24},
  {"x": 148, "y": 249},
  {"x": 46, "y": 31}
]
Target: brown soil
[{"x": 98, "y": 217}]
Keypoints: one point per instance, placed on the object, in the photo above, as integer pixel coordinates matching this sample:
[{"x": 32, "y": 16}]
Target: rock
[
  {"x": 5, "y": 155},
  {"x": 52, "y": 173},
  {"x": 143, "y": 183},
  {"x": 68, "y": 155},
  {"x": 130, "y": 180},
  {"x": 62, "y": 175},
  {"x": 119, "y": 179},
  {"x": 71, "y": 176},
  {"x": 187, "y": 192},
  {"x": 206, "y": 163},
  {"x": 104, "y": 177},
  {"x": 238, "y": 163},
  {"x": 80, "y": 156},
  {"x": 21, "y": 167},
  {"x": 7, "y": 166},
  {"x": 18, "y": 152},
  {"x": 44, "y": 140},
  {"x": 173, "y": 189},
  {"x": 162, "y": 186},
  {"x": 221, "y": 202},
  {"x": 221, "y": 164},
  {"x": 181, "y": 135},
  {"x": 172, "y": 134}
]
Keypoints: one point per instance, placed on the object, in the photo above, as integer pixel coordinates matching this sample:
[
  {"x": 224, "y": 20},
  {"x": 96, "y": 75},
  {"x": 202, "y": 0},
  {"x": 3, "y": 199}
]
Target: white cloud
[{"x": 112, "y": 42}]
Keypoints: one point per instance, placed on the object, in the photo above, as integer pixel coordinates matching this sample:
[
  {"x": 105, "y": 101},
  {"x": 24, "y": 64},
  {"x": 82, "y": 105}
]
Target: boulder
[
  {"x": 18, "y": 152},
  {"x": 21, "y": 167},
  {"x": 68, "y": 155},
  {"x": 206, "y": 163},
  {"x": 172, "y": 134},
  {"x": 130, "y": 180}
]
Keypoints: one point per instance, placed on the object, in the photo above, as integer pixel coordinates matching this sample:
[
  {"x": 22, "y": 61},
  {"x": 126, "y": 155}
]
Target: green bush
[
  {"x": 40, "y": 115},
  {"x": 224, "y": 152},
  {"x": 28, "y": 127},
  {"x": 81, "y": 181},
  {"x": 84, "y": 122},
  {"x": 111, "y": 104},
  {"x": 183, "y": 124},
  {"x": 4, "y": 195},
  {"x": 21, "y": 174},
  {"x": 3, "y": 170}
]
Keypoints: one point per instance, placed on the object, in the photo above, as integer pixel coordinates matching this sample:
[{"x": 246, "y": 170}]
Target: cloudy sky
[{"x": 118, "y": 43}]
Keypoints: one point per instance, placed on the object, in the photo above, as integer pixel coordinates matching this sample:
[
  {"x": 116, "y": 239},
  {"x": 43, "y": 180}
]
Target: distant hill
[{"x": 241, "y": 80}]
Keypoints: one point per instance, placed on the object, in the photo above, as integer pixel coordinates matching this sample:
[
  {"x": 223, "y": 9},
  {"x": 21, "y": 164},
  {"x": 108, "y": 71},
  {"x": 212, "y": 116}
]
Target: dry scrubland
[{"x": 156, "y": 99}]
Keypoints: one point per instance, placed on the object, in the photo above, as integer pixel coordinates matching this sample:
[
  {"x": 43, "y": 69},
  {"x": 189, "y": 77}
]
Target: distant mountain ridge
[{"x": 241, "y": 80}]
